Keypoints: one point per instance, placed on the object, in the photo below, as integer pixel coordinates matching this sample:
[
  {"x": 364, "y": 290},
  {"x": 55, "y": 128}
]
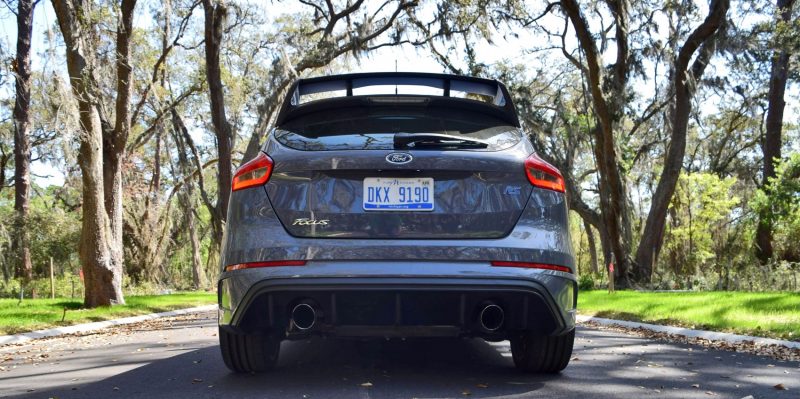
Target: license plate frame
[{"x": 398, "y": 194}]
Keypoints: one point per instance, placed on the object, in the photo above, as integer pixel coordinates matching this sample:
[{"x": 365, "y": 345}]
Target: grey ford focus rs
[{"x": 394, "y": 205}]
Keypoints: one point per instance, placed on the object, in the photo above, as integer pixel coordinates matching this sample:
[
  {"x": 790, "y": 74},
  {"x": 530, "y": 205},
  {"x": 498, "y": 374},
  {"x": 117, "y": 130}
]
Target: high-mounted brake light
[
  {"x": 543, "y": 175},
  {"x": 254, "y": 173},
  {"x": 272, "y": 263},
  {"x": 530, "y": 265}
]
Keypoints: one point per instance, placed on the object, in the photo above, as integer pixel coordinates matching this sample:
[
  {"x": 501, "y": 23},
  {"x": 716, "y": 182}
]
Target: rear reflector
[
  {"x": 256, "y": 172},
  {"x": 272, "y": 263},
  {"x": 530, "y": 265},
  {"x": 543, "y": 175}
]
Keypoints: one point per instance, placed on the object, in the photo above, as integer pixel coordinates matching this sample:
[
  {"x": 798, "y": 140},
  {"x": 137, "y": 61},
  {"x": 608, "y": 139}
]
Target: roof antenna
[{"x": 395, "y": 71}]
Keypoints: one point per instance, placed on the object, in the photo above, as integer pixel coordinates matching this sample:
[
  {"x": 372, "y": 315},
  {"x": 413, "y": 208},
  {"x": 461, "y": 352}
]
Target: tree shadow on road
[{"x": 329, "y": 369}]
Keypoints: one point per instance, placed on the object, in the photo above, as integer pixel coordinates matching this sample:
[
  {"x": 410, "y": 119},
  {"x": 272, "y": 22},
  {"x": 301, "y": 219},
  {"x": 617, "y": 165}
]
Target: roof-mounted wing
[{"x": 404, "y": 86}]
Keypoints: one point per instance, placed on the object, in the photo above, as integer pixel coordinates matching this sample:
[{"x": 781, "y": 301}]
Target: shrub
[{"x": 585, "y": 282}]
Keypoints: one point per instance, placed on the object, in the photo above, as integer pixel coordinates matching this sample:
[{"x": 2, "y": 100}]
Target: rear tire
[
  {"x": 542, "y": 354},
  {"x": 248, "y": 353}
]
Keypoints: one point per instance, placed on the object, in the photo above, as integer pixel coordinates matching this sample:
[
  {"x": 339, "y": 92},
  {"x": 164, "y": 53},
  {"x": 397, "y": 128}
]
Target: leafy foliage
[
  {"x": 698, "y": 215},
  {"x": 779, "y": 200}
]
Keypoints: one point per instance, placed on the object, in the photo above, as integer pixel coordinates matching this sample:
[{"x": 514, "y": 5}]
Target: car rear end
[{"x": 422, "y": 211}]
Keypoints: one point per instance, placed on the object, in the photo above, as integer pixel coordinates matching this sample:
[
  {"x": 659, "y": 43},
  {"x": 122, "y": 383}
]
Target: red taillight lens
[
  {"x": 530, "y": 265},
  {"x": 272, "y": 263},
  {"x": 254, "y": 173},
  {"x": 543, "y": 175}
]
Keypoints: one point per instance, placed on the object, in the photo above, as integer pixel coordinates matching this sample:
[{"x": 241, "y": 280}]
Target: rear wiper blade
[{"x": 418, "y": 140}]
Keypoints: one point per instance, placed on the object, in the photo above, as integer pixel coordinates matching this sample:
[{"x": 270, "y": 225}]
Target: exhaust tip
[
  {"x": 491, "y": 317},
  {"x": 304, "y": 316}
]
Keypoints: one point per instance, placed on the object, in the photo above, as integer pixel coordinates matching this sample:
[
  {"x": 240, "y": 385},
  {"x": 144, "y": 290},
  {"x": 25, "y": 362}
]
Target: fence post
[{"x": 52, "y": 282}]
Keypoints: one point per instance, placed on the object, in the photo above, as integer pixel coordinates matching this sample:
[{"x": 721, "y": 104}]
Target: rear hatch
[{"x": 398, "y": 167}]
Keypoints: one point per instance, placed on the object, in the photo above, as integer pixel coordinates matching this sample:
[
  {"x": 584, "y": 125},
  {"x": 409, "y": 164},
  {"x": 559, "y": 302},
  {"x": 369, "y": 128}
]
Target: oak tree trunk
[
  {"x": 608, "y": 96},
  {"x": 685, "y": 80},
  {"x": 115, "y": 139},
  {"x": 101, "y": 149},
  {"x": 215, "y": 16},
  {"x": 774, "y": 127},
  {"x": 592, "y": 247},
  {"x": 22, "y": 148}
]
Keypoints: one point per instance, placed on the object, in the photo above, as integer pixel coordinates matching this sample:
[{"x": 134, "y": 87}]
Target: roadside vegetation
[
  {"x": 765, "y": 314},
  {"x": 37, "y": 314}
]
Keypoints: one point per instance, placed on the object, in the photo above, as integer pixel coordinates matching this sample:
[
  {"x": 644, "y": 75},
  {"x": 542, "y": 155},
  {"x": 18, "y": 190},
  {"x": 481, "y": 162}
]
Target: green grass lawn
[
  {"x": 35, "y": 314},
  {"x": 766, "y": 314}
]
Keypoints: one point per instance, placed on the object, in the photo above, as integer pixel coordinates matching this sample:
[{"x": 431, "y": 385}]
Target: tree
[
  {"x": 22, "y": 146},
  {"x": 608, "y": 87},
  {"x": 215, "y": 15},
  {"x": 774, "y": 121},
  {"x": 102, "y": 146},
  {"x": 699, "y": 210},
  {"x": 684, "y": 84},
  {"x": 780, "y": 202},
  {"x": 334, "y": 34}
]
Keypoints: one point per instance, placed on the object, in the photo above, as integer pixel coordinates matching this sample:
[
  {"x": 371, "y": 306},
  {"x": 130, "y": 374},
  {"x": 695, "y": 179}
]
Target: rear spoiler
[{"x": 499, "y": 103}]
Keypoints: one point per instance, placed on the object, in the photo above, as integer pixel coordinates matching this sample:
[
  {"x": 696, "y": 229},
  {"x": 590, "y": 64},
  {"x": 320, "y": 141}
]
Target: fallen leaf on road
[
  {"x": 366, "y": 384},
  {"x": 695, "y": 385},
  {"x": 482, "y": 386},
  {"x": 709, "y": 393},
  {"x": 748, "y": 397},
  {"x": 466, "y": 392},
  {"x": 196, "y": 380},
  {"x": 780, "y": 387}
]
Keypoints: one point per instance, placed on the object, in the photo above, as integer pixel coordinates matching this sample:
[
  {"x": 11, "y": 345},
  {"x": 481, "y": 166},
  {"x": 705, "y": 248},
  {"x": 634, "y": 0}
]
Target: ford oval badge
[{"x": 399, "y": 158}]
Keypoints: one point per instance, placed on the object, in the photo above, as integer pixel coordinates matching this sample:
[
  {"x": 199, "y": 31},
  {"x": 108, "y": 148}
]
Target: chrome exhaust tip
[
  {"x": 491, "y": 317},
  {"x": 304, "y": 316}
]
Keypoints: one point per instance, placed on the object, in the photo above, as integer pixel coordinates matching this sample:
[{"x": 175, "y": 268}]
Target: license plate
[{"x": 398, "y": 194}]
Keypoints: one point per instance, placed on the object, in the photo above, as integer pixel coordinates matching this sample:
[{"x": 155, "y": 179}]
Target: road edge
[
  {"x": 686, "y": 332},
  {"x": 689, "y": 333},
  {"x": 54, "y": 332}
]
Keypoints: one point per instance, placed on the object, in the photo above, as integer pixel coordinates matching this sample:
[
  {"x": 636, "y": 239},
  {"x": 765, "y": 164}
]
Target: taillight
[
  {"x": 271, "y": 263},
  {"x": 543, "y": 175},
  {"x": 531, "y": 265},
  {"x": 254, "y": 173}
]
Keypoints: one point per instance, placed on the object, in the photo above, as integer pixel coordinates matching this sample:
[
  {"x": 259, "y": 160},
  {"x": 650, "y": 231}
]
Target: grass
[
  {"x": 35, "y": 314},
  {"x": 765, "y": 314}
]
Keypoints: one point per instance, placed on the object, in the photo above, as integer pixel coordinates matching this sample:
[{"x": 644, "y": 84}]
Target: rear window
[{"x": 374, "y": 129}]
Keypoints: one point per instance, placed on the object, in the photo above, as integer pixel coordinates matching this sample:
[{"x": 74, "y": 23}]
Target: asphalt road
[{"x": 179, "y": 358}]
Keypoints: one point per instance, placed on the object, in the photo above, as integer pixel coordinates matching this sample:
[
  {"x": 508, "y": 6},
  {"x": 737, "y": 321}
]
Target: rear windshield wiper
[{"x": 438, "y": 140}]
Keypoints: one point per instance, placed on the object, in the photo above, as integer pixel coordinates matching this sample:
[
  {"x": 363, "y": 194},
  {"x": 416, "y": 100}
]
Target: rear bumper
[{"x": 444, "y": 300}]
